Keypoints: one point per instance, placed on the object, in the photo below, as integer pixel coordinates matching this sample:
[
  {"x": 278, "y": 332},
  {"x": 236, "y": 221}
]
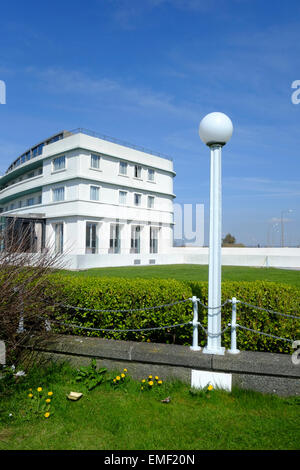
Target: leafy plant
[
  {"x": 90, "y": 376},
  {"x": 120, "y": 380},
  {"x": 9, "y": 378},
  {"x": 39, "y": 403},
  {"x": 202, "y": 393}
]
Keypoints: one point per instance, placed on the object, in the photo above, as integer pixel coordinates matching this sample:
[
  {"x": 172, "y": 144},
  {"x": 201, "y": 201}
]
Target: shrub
[
  {"x": 126, "y": 294},
  {"x": 130, "y": 294},
  {"x": 269, "y": 295}
]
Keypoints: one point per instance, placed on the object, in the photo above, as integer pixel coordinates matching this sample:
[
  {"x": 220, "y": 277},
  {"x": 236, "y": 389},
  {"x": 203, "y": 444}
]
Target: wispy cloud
[
  {"x": 110, "y": 93},
  {"x": 265, "y": 187}
]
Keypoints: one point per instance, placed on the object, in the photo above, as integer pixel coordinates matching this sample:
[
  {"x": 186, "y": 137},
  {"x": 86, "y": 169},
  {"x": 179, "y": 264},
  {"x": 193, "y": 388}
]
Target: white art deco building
[{"x": 99, "y": 201}]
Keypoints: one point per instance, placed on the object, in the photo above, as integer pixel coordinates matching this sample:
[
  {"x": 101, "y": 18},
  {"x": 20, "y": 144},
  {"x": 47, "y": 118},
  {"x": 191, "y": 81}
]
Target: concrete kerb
[{"x": 263, "y": 372}]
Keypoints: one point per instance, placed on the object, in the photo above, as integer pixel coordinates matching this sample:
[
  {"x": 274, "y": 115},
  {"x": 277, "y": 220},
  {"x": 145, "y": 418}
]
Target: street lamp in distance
[{"x": 282, "y": 224}]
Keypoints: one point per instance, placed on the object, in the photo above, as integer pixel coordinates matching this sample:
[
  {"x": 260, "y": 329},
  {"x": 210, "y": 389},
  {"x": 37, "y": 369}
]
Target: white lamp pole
[{"x": 215, "y": 130}]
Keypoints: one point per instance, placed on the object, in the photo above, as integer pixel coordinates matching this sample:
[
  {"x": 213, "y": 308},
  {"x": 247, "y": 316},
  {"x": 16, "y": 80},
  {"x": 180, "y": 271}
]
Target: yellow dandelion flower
[
  {"x": 122, "y": 375},
  {"x": 47, "y": 414},
  {"x": 143, "y": 381},
  {"x": 150, "y": 383},
  {"x": 50, "y": 394},
  {"x": 30, "y": 395},
  {"x": 142, "y": 388},
  {"x": 124, "y": 370},
  {"x": 114, "y": 381},
  {"x": 118, "y": 378},
  {"x": 48, "y": 400},
  {"x": 156, "y": 377},
  {"x": 150, "y": 377},
  {"x": 210, "y": 387},
  {"x": 30, "y": 390},
  {"x": 148, "y": 340},
  {"x": 39, "y": 389},
  {"x": 159, "y": 382}
]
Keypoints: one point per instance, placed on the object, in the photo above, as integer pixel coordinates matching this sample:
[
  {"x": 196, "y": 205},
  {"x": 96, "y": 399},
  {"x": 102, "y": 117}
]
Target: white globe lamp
[{"x": 215, "y": 128}]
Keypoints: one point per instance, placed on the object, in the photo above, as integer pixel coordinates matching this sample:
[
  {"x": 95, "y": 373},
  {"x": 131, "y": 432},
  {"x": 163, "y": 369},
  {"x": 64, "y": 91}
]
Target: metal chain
[
  {"x": 221, "y": 332},
  {"x": 267, "y": 310},
  {"x": 201, "y": 326},
  {"x": 265, "y": 334},
  {"x": 123, "y": 331},
  {"x": 213, "y": 308},
  {"x": 122, "y": 311}
]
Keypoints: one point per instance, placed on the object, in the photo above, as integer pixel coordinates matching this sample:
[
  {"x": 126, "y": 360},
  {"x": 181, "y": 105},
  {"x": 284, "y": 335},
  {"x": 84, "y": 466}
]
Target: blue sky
[{"x": 146, "y": 72}]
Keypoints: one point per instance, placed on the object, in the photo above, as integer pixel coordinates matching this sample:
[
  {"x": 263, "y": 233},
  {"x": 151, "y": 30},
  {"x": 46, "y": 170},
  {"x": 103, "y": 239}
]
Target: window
[
  {"x": 137, "y": 171},
  {"x": 20, "y": 204},
  {"x": 123, "y": 168},
  {"x": 59, "y": 237},
  {"x": 151, "y": 175},
  {"x": 94, "y": 193},
  {"x": 95, "y": 161},
  {"x": 137, "y": 199},
  {"x": 30, "y": 201},
  {"x": 135, "y": 239},
  {"x": 11, "y": 207},
  {"x": 114, "y": 240},
  {"x": 58, "y": 194},
  {"x": 59, "y": 163},
  {"x": 91, "y": 238},
  {"x": 153, "y": 240},
  {"x": 39, "y": 200},
  {"x": 122, "y": 197},
  {"x": 150, "y": 202},
  {"x": 30, "y": 175}
]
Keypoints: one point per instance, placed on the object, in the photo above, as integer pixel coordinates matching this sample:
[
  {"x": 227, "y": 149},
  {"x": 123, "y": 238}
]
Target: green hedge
[
  {"x": 118, "y": 293},
  {"x": 270, "y": 295},
  {"x": 126, "y": 294}
]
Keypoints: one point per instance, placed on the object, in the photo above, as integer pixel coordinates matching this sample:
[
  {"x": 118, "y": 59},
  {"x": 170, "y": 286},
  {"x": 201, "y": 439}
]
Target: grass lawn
[
  {"x": 193, "y": 272},
  {"x": 131, "y": 419}
]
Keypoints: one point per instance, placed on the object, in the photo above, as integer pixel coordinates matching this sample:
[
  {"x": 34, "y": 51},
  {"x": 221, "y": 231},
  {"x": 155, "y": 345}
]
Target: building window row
[
  {"x": 137, "y": 199},
  {"x": 137, "y": 171},
  {"x": 31, "y": 201},
  {"x": 115, "y": 244},
  {"x": 123, "y": 168},
  {"x": 30, "y": 174}
]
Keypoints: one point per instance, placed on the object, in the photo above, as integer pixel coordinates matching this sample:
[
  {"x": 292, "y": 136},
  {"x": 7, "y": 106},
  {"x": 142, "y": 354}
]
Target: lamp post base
[
  {"x": 233, "y": 351},
  {"x": 220, "y": 351},
  {"x": 195, "y": 348}
]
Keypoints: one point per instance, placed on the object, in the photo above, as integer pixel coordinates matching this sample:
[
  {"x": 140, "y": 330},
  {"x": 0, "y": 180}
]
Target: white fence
[{"x": 256, "y": 257}]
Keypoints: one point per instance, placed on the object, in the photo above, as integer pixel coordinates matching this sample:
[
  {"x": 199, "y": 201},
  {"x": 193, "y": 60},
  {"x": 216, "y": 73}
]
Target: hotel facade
[{"x": 98, "y": 201}]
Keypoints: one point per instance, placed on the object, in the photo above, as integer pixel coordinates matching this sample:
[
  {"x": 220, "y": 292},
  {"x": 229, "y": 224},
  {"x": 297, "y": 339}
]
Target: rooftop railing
[
  {"x": 114, "y": 140},
  {"x": 37, "y": 150}
]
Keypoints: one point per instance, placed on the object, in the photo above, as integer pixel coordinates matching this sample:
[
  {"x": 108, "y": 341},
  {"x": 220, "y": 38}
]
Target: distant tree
[{"x": 228, "y": 239}]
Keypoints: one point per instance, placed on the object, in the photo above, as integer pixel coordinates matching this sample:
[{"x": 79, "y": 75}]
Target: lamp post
[
  {"x": 271, "y": 228},
  {"x": 215, "y": 130},
  {"x": 282, "y": 226}
]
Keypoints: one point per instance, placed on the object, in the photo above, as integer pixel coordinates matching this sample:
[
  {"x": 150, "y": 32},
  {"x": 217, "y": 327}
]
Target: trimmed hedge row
[
  {"x": 124, "y": 294},
  {"x": 127, "y": 294},
  {"x": 281, "y": 298}
]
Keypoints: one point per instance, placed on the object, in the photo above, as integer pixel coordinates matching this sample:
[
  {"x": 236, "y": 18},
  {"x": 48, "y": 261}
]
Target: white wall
[{"x": 256, "y": 257}]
